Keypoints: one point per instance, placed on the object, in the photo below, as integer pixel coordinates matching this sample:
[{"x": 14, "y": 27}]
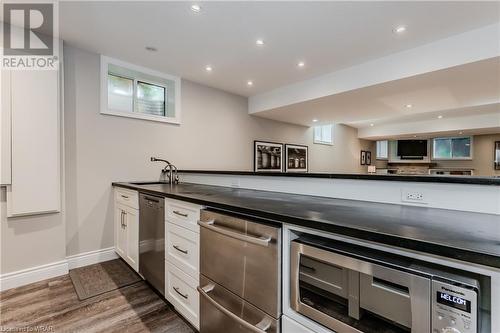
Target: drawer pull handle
[
  {"x": 312, "y": 269},
  {"x": 210, "y": 225},
  {"x": 179, "y": 249},
  {"x": 181, "y": 294},
  {"x": 176, "y": 212},
  {"x": 261, "y": 327},
  {"x": 151, "y": 199},
  {"x": 391, "y": 287},
  {"x": 124, "y": 196}
]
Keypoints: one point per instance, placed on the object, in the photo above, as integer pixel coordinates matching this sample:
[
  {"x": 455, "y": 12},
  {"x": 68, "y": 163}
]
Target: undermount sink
[{"x": 149, "y": 183}]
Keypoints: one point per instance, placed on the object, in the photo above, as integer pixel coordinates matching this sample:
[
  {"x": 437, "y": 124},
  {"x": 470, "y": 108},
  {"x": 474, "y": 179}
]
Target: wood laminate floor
[{"x": 53, "y": 306}]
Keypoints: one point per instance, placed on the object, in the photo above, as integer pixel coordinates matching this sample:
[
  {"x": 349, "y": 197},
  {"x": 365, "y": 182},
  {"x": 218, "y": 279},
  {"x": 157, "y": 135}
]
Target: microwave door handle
[
  {"x": 391, "y": 287},
  {"x": 263, "y": 241},
  {"x": 261, "y": 327}
]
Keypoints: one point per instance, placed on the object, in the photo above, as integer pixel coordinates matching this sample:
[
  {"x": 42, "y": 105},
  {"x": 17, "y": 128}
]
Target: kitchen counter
[{"x": 471, "y": 237}]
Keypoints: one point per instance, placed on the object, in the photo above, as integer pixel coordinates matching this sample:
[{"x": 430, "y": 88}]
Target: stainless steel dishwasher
[
  {"x": 240, "y": 275},
  {"x": 152, "y": 240}
]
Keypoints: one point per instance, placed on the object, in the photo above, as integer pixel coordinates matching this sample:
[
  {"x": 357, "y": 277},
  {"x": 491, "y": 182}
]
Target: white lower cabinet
[
  {"x": 127, "y": 232},
  {"x": 180, "y": 290},
  {"x": 182, "y": 258},
  {"x": 291, "y": 326},
  {"x": 182, "y": 249}
]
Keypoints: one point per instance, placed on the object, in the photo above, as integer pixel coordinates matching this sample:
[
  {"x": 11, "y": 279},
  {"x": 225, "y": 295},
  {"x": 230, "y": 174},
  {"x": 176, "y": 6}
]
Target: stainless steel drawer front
[
  {"x": 243, "y": 257},
  {"x": 223, "y": 311},
  {"x": 402, "y": 299}
]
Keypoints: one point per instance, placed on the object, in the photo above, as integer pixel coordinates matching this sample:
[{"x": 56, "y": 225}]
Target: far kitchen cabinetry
[
  {"x": 127, "y": 226},
  {"x": 182, "y": 245}
]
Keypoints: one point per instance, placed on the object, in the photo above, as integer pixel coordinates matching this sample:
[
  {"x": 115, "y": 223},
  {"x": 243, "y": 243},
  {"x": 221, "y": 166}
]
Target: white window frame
[
  {"x": 469, "y": 158},
  {"x": 106, "y": 61},
  {"x": 320, "y": 142},
  {"x": 381, "y": 158}
]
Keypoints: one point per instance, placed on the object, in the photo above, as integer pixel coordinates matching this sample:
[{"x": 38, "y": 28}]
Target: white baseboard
[
  {"x": 48, "y": 271},
  {"x": 92, "y": 257},
  {"x": 34, "y": 274}
]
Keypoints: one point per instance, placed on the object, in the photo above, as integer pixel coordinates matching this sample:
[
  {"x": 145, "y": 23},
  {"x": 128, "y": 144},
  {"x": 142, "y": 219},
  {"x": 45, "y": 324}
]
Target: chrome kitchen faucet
[{"x": 170, "y": 170}]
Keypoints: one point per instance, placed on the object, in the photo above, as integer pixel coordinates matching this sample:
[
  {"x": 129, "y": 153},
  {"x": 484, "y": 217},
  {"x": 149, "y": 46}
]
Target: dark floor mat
[{"x": 93, "y": 280}]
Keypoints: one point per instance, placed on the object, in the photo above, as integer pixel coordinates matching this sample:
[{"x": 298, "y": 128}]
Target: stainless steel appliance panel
[
  {"x": 152, "y": 240},
  {"x": 454, "y": 307},
  {"x": 376, "y": 299},
  {"x": 223, "y": 311},
  {"x": 328, "y": 277},
  {"x": 387, "y": 298},
  {"x": 243, "y": 257}
]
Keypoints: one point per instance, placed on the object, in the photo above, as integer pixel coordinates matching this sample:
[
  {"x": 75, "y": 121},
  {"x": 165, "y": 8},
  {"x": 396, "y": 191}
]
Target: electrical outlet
[{"x": 413, "y": 196}]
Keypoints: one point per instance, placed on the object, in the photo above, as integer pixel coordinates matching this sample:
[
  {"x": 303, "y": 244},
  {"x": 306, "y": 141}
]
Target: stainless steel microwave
[{"x": 352, "y": 289}]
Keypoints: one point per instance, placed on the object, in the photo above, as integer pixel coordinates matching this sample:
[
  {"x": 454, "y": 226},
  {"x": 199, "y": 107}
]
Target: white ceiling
[
  {"x": 328, "y": 36},
  {"x": 465, "y": 86}
]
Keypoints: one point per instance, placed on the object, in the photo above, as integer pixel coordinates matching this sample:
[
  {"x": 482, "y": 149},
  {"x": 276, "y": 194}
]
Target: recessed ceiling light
[
  {"x": 409, "y": 106},
  {"x": 196, "y": 8},
  {"x": 315, "y": 120},
  {"x": 440, "y": 117},
  {"x": 151, "y": 48},
  {"x": 372, "y": 125},
  {"x": 249, "y": 83},
  {"x": 259, "y": 42},
  {"x": 400, "y": 29},
  {"x": 208, "y": 68},
  {"x": 301, "y": 64}
]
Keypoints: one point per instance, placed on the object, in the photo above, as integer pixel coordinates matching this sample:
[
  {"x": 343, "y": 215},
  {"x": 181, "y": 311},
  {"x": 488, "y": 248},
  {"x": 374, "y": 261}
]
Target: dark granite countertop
[
  {"x": 467, "y": 236},
  {"x": 473, "y": 180}
]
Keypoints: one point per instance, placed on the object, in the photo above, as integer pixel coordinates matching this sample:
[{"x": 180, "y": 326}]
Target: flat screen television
[{"x": 412, "y": 149}]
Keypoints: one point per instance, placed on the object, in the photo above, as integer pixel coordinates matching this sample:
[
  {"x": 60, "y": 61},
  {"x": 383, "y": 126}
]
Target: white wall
[
  {"x": 30, "y": 241},
  {"x": 216, "y": 133}
]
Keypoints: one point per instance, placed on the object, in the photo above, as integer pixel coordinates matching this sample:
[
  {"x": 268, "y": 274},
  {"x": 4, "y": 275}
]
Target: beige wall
[{"x": 216, "y": 133}]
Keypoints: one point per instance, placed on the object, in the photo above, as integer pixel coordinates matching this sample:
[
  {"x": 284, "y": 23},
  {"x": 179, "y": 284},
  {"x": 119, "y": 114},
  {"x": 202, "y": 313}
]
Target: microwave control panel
[{"x": 454, "y": 308}]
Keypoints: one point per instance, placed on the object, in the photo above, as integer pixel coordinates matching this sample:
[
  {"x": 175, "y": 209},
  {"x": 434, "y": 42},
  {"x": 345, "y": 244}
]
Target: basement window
[
  {"x": 323, "y": 134},
  {"x": 382, "y": 150},
  {"x": 136, "y": 92}
]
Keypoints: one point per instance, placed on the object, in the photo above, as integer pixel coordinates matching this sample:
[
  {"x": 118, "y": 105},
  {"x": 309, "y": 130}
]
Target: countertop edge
[
  {"x": 480, "y": 258},
  {"x": 471, "y": 180}
]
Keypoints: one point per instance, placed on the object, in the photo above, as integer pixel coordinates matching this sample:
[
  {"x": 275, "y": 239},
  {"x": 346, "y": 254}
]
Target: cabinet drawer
[
  {"x": 182, "y": 248},
  {"x": 180, "y": 290},
  {"x": 127, "y": 197},
  {"x": 183, "y": 214},
  {"x": 243, "y": 257}
]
